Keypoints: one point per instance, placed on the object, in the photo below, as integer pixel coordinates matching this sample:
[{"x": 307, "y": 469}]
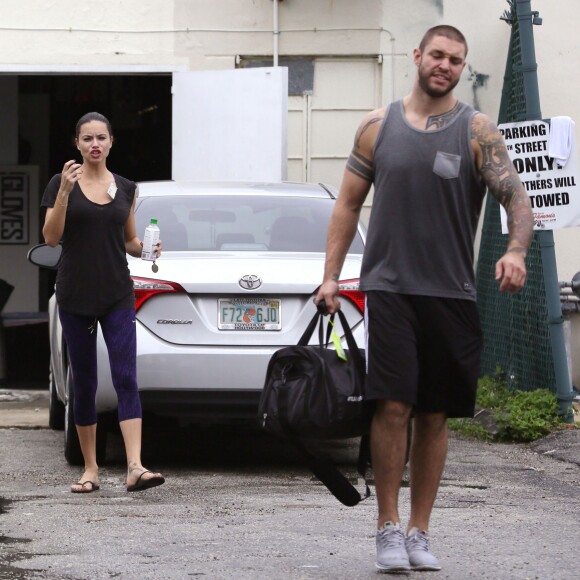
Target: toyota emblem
[{"x": 250, "y": 282}]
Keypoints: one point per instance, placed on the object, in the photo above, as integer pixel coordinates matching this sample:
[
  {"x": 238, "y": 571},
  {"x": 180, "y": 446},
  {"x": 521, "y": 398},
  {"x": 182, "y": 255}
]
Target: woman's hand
[
  {"x": 158, "y": 248},
  {"x": 71, "y": 173},
  {"x": 56, "y": 215}
]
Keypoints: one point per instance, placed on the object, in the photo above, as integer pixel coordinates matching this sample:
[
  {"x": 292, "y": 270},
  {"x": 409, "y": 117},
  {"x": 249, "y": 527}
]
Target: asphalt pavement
[{"x": 236, "y": 507}]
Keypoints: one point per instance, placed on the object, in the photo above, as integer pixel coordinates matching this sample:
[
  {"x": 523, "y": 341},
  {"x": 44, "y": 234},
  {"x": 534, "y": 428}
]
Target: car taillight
[
  {"x": 350, "y": 289},
  {"x": 145, "y": 288}
]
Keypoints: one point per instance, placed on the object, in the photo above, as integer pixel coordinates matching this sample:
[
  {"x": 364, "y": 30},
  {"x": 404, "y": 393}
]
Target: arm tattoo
[
  {"x": 362, "y": 130},
  {"x": 358, "y": 163},
  {"x": 360, "y": 166},
  {"x": 438, "y": 121},
  {"x": 503, "y": 182}
]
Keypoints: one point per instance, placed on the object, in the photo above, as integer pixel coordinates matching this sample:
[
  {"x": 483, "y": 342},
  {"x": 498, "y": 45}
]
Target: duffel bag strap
[
  {"x": 350, "y": 341},
  {"x": 318, "y": 318},
  {"x": 323, "y": 468},
  {"x": 307, "y": 335},
  {"x": 331, "y": 477}
]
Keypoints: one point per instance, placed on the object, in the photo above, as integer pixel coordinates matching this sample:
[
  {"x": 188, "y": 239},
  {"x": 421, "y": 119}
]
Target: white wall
[{"x": 68, "y": 32}]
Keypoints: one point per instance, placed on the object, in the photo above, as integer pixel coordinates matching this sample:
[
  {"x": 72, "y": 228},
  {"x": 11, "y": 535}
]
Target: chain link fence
[{"x": 516, "y": 332}]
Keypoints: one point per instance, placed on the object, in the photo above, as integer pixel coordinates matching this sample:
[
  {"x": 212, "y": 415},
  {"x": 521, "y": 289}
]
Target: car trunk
[{"x": 285, "y": 281}]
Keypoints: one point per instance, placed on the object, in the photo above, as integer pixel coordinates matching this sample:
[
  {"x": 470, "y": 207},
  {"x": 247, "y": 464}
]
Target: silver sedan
[{"x": 240, "y": 267}]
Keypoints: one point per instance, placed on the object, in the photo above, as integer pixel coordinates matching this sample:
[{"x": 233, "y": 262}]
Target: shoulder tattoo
[{"x": 358, "y": 163}]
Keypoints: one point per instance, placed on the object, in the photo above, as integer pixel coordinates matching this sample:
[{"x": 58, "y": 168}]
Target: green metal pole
[{"x": 529, "y": 69}]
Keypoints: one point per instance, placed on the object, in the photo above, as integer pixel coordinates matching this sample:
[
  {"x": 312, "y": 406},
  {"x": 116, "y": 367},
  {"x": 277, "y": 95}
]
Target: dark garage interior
[{"x": 140, "y": 110}]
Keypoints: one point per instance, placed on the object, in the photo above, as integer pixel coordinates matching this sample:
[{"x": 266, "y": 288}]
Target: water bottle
[{"x": 150, "y": 240}]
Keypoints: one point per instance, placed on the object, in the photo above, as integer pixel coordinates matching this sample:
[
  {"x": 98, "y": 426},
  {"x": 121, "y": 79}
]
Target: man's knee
[
  {"x": 430, "y": 422},
  {"x": 393, "y": 412}
]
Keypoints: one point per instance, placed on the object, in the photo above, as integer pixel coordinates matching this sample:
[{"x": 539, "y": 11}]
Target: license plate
[{"x": 249, "y": 314}]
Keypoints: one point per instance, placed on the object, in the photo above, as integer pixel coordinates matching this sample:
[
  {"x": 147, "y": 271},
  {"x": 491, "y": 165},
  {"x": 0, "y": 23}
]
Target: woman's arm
[
  {"x": 55, "y": 216},
  {"x": 133, "y": 244}
]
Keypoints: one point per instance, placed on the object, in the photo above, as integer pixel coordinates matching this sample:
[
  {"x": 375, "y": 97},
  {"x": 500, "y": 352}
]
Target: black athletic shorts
[{"x": 423, "y": 350}]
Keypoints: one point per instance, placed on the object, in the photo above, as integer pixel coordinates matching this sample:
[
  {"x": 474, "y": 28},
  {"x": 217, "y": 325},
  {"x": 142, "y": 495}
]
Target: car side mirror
[{"x": 45, "y": 256}]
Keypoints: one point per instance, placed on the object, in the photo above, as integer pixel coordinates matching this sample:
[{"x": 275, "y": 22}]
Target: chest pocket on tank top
[{"x": 447, "y": 165}]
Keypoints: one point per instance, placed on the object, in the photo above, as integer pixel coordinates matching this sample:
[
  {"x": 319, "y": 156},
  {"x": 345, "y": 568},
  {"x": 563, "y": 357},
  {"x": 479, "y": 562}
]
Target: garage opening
[
  {"x": 49, "y": 106},
  {"x": 138, "y": 106}
]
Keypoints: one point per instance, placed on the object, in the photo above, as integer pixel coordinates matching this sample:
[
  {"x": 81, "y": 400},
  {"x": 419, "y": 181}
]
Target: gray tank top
[{"x": 426, "y": 205}]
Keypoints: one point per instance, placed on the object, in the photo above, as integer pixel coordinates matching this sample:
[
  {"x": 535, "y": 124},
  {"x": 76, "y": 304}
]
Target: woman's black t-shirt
[{"x": 93, "y": 275}]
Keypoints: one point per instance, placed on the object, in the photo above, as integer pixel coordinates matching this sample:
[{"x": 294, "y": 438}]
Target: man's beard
[{"x": 434, "y": 93}]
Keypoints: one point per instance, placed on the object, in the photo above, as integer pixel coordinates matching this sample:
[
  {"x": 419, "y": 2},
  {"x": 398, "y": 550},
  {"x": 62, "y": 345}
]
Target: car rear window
[{"x": 240, "y": 223}]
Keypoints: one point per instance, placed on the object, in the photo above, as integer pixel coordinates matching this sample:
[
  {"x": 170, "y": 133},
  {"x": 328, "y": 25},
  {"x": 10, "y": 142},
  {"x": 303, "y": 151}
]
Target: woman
[{"x": 93, "y": 212}]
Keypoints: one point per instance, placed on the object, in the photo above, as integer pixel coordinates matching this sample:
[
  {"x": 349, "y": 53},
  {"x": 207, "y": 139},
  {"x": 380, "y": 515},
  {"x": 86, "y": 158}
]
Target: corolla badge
[{"x": 250, "y": 282}]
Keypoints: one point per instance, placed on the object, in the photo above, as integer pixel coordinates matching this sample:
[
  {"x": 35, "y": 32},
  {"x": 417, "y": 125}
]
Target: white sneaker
[
  {"x": 419, "y": 551},
  {"x": 391, "y": 554}
]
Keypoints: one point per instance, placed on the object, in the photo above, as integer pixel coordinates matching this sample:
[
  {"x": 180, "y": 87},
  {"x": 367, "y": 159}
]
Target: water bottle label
[{"x": 150, "y": 240}]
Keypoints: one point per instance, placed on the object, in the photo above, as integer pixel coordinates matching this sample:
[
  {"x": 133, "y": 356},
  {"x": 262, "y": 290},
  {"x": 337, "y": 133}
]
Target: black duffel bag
[{"x": 312, "y": 393}]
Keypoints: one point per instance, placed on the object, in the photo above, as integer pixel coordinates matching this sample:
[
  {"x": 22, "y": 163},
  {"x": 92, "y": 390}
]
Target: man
[{"x": 430, "y": 158}]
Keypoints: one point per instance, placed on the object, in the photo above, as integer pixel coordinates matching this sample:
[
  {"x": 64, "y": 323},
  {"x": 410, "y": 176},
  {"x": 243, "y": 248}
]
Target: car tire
[
  {"x": 72, "y": 447},
  {"x": 56, "y": 408}
]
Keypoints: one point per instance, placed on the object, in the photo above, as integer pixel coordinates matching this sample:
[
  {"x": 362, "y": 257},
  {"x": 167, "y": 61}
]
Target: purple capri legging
[{"x": 119, "y": 332}]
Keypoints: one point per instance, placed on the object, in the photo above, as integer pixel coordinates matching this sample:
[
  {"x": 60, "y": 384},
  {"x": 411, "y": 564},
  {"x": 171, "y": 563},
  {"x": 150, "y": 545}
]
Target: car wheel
[
  {"x": 72, "y": 447},
  {"x": 56, "y": 408}
]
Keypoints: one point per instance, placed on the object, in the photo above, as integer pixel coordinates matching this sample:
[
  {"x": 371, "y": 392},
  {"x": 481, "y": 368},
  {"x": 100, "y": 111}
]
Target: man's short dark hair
[{"x": 445, "y": 30}]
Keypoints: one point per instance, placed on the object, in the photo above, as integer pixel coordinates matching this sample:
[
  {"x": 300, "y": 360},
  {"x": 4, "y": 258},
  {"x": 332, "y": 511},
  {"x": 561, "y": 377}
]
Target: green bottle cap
[{"x": 153, "y": 221}]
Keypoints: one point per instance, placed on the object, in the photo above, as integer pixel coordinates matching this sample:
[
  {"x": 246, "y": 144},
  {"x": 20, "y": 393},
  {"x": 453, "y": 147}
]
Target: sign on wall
[
  {"x": 553, "y": 186},
  {"x": 14, "y": 206},
  {"x": 19, "y": 216}
]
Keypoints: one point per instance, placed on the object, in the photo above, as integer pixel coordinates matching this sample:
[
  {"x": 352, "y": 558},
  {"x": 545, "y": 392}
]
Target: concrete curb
[{"x": 24, "y": 409}]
